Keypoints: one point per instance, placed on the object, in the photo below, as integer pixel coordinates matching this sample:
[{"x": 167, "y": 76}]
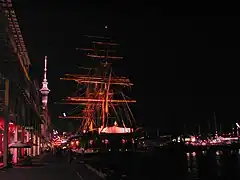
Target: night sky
[{"x": 183, "y": 68}]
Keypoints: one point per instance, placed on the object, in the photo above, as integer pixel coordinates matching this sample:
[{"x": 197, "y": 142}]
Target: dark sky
[{"x": 184, "y": 68}]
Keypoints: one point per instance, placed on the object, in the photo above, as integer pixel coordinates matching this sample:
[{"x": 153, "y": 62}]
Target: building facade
[{"x": 20, "y": 99}]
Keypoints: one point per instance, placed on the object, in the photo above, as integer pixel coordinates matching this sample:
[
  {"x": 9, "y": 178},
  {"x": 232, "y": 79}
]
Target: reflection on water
[
  {"x": 170, "y": 163},
  {"x": 213, "y": 164}
]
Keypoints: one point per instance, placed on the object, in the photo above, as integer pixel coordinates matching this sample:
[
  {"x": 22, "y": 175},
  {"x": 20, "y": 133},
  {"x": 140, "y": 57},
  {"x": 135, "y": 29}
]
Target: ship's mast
[{"x": 98, "y": 94}]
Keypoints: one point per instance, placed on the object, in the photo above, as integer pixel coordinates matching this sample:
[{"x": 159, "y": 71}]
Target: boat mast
[
  {"x": 215, "y": 123},
  {"x": 100, "y": 97},
  {"x": 106, "y": 99},
  {"x": 199, "y": 129}
]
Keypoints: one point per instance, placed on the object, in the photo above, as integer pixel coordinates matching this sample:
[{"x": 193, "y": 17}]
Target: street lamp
[{"x": 238, "y": 126}]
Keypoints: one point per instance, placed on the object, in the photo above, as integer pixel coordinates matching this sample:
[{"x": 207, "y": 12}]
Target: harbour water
[
  {"x": 171, "y": 163},
  {"x": 213, "y": 165}
]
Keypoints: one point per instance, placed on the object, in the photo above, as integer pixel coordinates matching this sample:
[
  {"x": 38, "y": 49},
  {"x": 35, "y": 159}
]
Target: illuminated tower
[{"x": 44, "y": 90}]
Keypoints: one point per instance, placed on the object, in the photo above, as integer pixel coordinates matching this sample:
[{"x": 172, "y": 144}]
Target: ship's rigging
[{"x": 101, "y": 95}]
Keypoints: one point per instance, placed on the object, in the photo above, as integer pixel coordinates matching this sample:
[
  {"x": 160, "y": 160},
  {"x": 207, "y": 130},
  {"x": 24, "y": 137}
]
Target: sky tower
[{"x": 44, "y": 90}]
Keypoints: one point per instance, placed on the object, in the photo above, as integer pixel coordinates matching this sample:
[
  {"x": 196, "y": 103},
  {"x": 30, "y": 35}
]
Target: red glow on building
[{"x": 11, "y": 126}]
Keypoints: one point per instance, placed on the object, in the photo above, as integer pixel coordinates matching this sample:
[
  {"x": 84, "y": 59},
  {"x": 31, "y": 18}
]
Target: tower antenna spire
[{"x": 45, "y": 70}]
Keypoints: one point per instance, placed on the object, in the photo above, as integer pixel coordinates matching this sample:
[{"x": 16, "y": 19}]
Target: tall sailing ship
[{"x": 102, "y": 105}]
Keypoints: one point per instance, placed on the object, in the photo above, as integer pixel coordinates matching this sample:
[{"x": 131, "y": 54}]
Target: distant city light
[
  {"x": 64, "y": 114},
  {"x": 55, "y": 132}
]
